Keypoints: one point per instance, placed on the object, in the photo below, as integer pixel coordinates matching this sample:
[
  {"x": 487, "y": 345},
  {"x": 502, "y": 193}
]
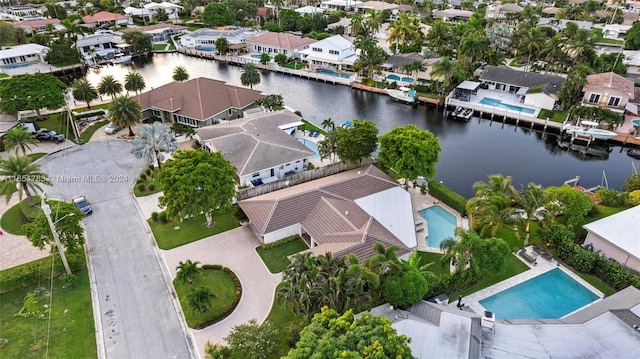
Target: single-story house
[
  {"x": 206, "y": 38},
  {"x": 148, "y": 10},
  {"x": 615, "y": 31},
  {"x": 561, "y": 24},
  {"x": 21, "y": 54},
  {"x": 379, "y": 6},
  {"x": 395, "y": 62},
  {"x": 158, "y": 32},
  {"x": 38, "y": 26},
  {"x": 309, "y": 10},
  {"x": 617, "y": 236},
  {"x": 533, "y": 89},
  {"x": 98, "y": 42},
  {"x": 333, "y": 52},
  {"x": 198, "y": 102},
  {"x": 344, "y": 213},
  {"x": 274, "y": 43},
  {"x": 106, "y": 18},
  {"x": 260, "y": 147},
  {"x": 503, "y": 13},
  {"x": 424, "y": 75},
  {"x": 608, "y": 90},
  {"x": 346, "y": 5},
  {"x": 453, "y": 15}
]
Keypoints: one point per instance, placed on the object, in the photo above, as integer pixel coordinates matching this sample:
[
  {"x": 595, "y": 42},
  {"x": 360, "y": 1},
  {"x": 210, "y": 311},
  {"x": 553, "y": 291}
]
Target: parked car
[
  {"x": 82, "y": 203},
  {"x": 111, "y": 129},
  {"x": 46, "y": 135}
]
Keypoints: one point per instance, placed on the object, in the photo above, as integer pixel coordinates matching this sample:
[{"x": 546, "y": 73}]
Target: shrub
[
  {"x": 447, "y": 196},
  {"x": 148, "y": 171},
  {"x": 143, "y": 176},
  {"x": 239, "y": 214},
  {"x": 152, "y": 187},
  {"x": 154, "y": 216},
  {"x": 280, "y": 241},
  {"x": 140, "y": 180},
  {"x": 634, "y": 198},
  {"x": 142, "y": 187},
  {"x": 162, "y": 217},
  {"x": 310, "y": 166},
  {"x": 36, "y": 272},
  {"x": 69, "y": 280},
  {"x": 29, "y": 212},
  {"x": 280, "y": 58},
  {"x": 610, "y": 197}
]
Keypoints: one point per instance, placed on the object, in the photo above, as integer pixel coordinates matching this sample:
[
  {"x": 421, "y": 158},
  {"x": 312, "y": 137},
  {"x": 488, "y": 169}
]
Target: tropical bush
[
  {"x": 448, "y": 197},
  {"x": 34, "y": 273},
  {"x": 280, "y": 241},
  {"x": 610, "y": 197}
]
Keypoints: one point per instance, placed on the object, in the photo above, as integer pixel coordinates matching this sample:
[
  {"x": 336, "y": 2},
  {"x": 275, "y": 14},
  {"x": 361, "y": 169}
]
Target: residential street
[{"x": 138, "y": 315}]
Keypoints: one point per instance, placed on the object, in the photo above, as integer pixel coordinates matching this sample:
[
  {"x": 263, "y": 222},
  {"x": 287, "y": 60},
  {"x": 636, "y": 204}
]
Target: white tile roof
[{"x": 621, "y": 229}]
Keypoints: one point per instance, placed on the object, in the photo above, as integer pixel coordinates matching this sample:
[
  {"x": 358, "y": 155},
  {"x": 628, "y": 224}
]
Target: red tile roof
[
  {"x": 103, "y": 16},
  {"x": 281, "y": 40},
  {"x": 36, "y": 24},
  {"x": 610, "y": 80}
]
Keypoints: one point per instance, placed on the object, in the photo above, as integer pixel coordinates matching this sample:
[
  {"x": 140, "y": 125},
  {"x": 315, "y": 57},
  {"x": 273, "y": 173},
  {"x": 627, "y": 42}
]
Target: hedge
[
  {"x": 448, "y": 197},
  {"x": 229, "y": 309},
  {"x": 38, "y": 271},
  {"x": 280, "y": 241}
]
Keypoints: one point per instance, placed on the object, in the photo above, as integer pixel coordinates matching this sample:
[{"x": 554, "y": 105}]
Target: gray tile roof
[
  {"x": 256, "y": 143},
  {"x": 402, "y": 59},
  {"x": 551, "y": 84}
]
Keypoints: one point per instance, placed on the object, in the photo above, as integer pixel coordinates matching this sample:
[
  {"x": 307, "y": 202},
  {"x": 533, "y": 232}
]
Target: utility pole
[{"x": 47, "y": 212}]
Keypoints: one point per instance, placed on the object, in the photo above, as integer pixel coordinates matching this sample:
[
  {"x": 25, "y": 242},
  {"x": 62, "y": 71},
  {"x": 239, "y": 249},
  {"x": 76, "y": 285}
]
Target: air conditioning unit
[{"x": 488, "y": 321}]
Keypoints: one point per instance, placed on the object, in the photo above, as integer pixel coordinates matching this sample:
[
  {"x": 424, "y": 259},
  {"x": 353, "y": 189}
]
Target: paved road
[{"x": 138, "y": 316}]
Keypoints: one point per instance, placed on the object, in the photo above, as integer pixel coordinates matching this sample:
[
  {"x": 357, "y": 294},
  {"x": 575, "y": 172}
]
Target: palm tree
[
  {"x": 109, "y": 86},
  {"x": 152, "y": 141},
  {"x": 496, "y": 184},
  {"x": 180, "y": 74},
  {"x": 531, "y": 201},
  {"x": 369, "y": 60},
  {"x": 19, "y": 138},
  {"x": 415, "y": 261},
  {"x": 446, "y": 69},
  {"x": 460, "y": 252},
  {"x": 20, "y": 171},
  {"x": 532, "y": 42},
  {"x": 222, "y": 45},
  {"x": 199, "y": 298},
  {"x": 438, "y": 37},
  {"x": 373, "y": 21},
  {"x": 125, "y": 111},
  {"x": 133, "y": 81},
  {"x": 328, "y": 123},
  {"x": 412, "y": 67},
  {"x": 357, "y": 24},
  {"x": 186, "y": 271},
  {"x": 472, "y": 48},
  {"x": 385, "y": 261},
  {"x": 82, "y": 90},
  {"x": 250, "y": 76},
  {"x": 403, "y": 30}
]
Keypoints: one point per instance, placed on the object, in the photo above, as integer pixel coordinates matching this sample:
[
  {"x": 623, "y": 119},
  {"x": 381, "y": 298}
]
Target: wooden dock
[{"x": 363, "y": 87}]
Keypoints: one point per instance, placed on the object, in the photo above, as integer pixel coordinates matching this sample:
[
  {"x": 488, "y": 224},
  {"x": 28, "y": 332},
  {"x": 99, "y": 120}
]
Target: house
[
  {"x": 334, "y": 52},
  {"x": 100, "y": 42},
  {"x": 23, "y": 54},
  {"x": 344, "y": 213},
  {"x": 260, "y": 147},
  {"x": 198, "y": 102},
  {"x": 274, "y": 43},
  {"x": 424, "y": 75},
  {"x": 533, "y": 89},
  {"x": 38, "y": 26},
  {"x": 506, "y": 13},
  {"x": 22, "y": 13},
  {"x": 617, "y": 236},
  {"x": 309, "y": 10},
  {"x": 631, "y": 60},
  {"x": 158, "y": 32},
  {"x": 615, "y": 31},
  {"x": 453, "y": 15},
  {"x": 379, "y": 6},
  {"x": 608, "y": 90},
  {"x": 346, "y": 5},
  {"x": 394, "y": 67},
  {"x": 106, "y": 18},
  {"x": 148, "y": 10},
  {"x": 206, "y": 38},
  {"x": 560, "y": 24}
]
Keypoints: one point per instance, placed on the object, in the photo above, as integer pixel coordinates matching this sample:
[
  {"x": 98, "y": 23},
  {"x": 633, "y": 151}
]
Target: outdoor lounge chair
[
  {"x": 316, "y": 134},
  {"x": 527, "y": 257},
  {"x": 311, "y": 132}
]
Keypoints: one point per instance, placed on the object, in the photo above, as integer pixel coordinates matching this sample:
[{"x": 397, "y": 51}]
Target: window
[
  {"x": 334, "y": 52},
  {"x": 594, "y": 98},
  {"x": 316, "y": 49},
  {"x": 257, "y": 174},
  {"x": 155, "y": 113},
  {"x": 614, "y": 101}
]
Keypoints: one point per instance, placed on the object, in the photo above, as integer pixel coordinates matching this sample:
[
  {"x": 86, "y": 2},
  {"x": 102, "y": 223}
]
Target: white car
[{"x": 111, "y": 129}]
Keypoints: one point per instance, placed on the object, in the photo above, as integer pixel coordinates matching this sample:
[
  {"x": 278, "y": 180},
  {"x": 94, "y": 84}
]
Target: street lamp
[{"x": 56, "y": 237}]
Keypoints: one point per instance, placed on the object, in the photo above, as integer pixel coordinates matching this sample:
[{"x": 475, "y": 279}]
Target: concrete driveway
[
  {"x": 137, "y": 316},
  {"x": 234, "y": 249}
]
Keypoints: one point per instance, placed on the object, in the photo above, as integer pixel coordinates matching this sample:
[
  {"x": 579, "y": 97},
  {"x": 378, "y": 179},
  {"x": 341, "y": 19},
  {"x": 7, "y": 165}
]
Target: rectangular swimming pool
[
  {"x": 498, "y": 103},
  {"x": 440, "y": 225},
  {"x": 550, "y": 295}
]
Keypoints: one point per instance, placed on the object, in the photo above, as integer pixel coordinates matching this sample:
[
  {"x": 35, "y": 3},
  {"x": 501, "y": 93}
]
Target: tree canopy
[
  {"x": 217, "y": 14},
  {"x": 357, "y": 141},
  {"x": 67, "y": 218},
  {"x": 410, "y": 151},
  {"x": 632, "y": 183},
  {"x": 405, "y": 288},
  {"x": 31, "y": 92},
  {"x": 139, "y": 41},
  {"x": 253, "y": 340},
  {"x": 196, "y": 182},
  {"x": 331, "y": 335}
]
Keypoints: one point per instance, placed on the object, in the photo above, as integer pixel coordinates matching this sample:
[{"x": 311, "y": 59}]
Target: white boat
[
  {"x": 588, "y": 129},
  {"x": 404, "y": 94},
  {"x": 121, "y": 59}
]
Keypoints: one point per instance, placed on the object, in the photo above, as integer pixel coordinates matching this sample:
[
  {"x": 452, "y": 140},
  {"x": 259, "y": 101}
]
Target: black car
[{"x": 46, "y": 135}]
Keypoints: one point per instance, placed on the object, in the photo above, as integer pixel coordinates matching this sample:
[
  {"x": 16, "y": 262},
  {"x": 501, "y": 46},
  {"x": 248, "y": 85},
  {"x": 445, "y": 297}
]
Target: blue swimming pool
[
  {"x": 258, "y": 56},
  {"x": 16, "y": 66},
  {"x": 636, "y": 122},
  {"x": 312, "y": 146},
  {"x": 498, "y": 103},
  {"x": 332, "y": 73},
  {"x": 440, "y": 225},
  {"x": 408, "y": 80},
  {"x": 393, "y": 78},
  {"x": 551, "y": 295},
  {"x": 207, "y": 49}
]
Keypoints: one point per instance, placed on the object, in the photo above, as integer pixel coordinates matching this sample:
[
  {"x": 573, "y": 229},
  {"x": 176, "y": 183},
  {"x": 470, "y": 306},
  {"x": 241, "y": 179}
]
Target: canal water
[{"x": 470, "y": 150}]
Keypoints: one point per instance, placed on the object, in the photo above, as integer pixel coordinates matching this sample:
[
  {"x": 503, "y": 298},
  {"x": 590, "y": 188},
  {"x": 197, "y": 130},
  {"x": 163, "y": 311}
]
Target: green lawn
[
  {"x": 56, "y": 123},
  {"x": 174, "y": 234},
  {"x": 282, "y": 319},
  {"x": 438, "y": 268},
  {"x": 276, "y": 258},
  {"x": 35, "y": 156},
  {"x": 86, "y": 135},
  {"x": 72, "y": 330},
  {"x": 159, "y": 46},
  {"x": 223, "y": 287},
  {"x": 294, "y": 65},
  {"x": 514, "y": 266},
  {"x": 597, "y": 282},
  {"x": 554, "y": 116},
  {"x": 12, "y": 220}
]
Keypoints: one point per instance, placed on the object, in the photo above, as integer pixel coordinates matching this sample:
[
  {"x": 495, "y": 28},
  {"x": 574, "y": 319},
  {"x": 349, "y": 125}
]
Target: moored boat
[
  {"x": 588, "y": 129},
  {"x": 121, "y": 59},
  {"x": 404, "y": 94},
  {"x": 634, "y": 152}
]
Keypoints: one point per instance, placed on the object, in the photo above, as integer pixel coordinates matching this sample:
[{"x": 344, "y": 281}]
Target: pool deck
[{"x": 543, "y": 266}]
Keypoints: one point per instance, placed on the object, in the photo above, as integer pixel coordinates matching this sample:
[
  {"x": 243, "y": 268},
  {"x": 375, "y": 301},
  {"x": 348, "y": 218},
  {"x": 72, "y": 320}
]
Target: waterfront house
[
  {"x": 505, "y": 13},
  {"x": 198, "y": 102},
  {"x": 23, "y": 54},
  {"x": 334, "y": 52},
  {"x": 309, "y": 10},
  {"x": 617, "y": 236},
  {"x": 38, "y": 26},
  {"x": 608, "y": 90},
  {"x": 260, "y": 147},
  {"x": 158, "y": 32},
  {"x": 100, "y": 43},
  {"x": 22, "y": 13},
  {"x": 149, "y": 10},
  {"x": 274, "y": 43},
  {"x": 560, "y": 24},
  {"x": 344, "y": 213},
  {"x": 106, "y": 18},
  {"x": 424, "y": 75},
  {"x": 615, "y": 31},
  {"x": 346, "y": 5},
  {"x": 394, "y": 68},
  {"x": 206, "y": 38}
]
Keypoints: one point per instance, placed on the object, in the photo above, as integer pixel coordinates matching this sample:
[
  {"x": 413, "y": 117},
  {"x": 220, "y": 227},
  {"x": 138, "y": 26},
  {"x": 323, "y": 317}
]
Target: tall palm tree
[
  {"x": 531, "y": 201},
  {"x": 439, "y": 36},
  {"x": 373, "y": 21},
  {"x": 369, "y": 60},
  {"x": 446, "y": 69},
  {"x": 20, "y": 171},
  {"x": 404, "y": 30},
  {"x": 532, "y": 42},
  {"x": 19, "y": 138},
  {"x": 125, "y": 111},
  {"x": 249, "y": 76},
  {"x": 385, "y": 261},
  {"x": 133, "y": 81},
  {"x": 460, "y": 252},
  {"x": 496, "y": 184},
  {"x": 415, "y": 261},
  {"x": 472, "y": 48},
  {"x": 82, "y": 90},
  {"x": 357, "y": 24},
  {"x": 152, "y": 141},
  {"x": 180, "y": 74},
  {"x": 328, "y": 123},
  {"x": 199, "y": 298},
  {"x": 412, "y": 67},
  {"x": 186, "y": 271},
  {"x": 109, "y": 86}
]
